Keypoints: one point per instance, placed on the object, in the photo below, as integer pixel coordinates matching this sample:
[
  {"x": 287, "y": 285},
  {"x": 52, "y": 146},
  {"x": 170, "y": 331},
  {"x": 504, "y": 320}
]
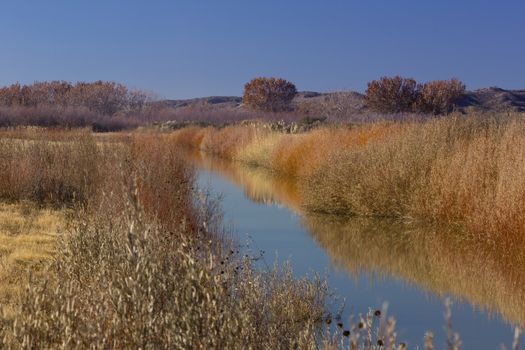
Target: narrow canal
[{"x": 370, "y": 262}]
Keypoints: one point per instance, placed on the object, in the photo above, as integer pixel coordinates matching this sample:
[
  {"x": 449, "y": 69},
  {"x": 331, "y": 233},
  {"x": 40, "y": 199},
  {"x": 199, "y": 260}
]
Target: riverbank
[{"x": 464, "y": 171}]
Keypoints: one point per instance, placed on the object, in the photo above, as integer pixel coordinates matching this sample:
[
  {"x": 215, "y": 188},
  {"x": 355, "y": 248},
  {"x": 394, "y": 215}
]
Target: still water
[{"x": 369, "y": 262}]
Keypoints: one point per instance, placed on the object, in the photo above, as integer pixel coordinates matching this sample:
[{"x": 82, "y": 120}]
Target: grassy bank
[
  {"x": 465, "y": 171},
  {"x": 141, "y": 265}
]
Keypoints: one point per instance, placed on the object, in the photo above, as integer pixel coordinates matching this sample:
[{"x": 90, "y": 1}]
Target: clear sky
[{"x": 190, "y": 48}]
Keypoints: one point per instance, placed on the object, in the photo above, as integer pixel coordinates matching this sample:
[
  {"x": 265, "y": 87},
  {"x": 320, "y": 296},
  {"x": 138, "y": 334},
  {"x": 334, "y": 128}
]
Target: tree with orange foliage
[
  {"x": 269, "y": 94},
  {"x": 439, "y": 96},
  {"x": 391, "y": 95}
]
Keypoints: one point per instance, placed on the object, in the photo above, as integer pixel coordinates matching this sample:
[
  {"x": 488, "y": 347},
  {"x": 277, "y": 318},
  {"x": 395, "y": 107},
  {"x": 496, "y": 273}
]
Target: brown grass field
[{"x": 122, "y": 255}]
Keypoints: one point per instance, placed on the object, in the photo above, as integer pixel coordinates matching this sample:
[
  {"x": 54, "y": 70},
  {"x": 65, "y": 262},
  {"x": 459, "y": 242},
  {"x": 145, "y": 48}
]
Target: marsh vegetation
[
  {"x": 124, "y": 251},
  {"x": 140, "y": 263}
]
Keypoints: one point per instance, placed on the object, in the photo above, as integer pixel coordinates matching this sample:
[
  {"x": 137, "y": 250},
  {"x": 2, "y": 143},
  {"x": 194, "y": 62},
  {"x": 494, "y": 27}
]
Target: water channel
[{"x": 369, "y": 262}]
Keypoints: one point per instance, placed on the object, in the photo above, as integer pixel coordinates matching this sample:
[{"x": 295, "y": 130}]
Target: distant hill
[
  {"x": 218, "y": 101},
  {"x": 486, "y": 99},
  {"x": 494, "y": 99}
]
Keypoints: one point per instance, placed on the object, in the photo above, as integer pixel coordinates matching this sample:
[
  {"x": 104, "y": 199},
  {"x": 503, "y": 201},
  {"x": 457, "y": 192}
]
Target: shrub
[
  {"x": 439, "y": 96},
  {"x": 392, "y": 95},
  {"x": 269, "y": 94},
  {"x": 396, "y": 95}
]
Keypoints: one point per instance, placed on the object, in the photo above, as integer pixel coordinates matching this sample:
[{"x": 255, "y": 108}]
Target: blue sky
[{"x": 189, "y": 48}]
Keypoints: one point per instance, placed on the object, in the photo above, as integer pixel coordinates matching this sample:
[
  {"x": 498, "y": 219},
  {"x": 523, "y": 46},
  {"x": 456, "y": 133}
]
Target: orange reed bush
[
  {"x": 464, "y": 171},
  {"x": 295, "y": 154},
  {"x": 190, "y": 137},
  {"x": 226, "y": 142},
  {"x": 163, "y": 179},
  {"x": 57, "y": 172},
  {"x": 299, "y": 155},
  {"x": 480, "y": 181},
  {"x": 382, "y": 177}
]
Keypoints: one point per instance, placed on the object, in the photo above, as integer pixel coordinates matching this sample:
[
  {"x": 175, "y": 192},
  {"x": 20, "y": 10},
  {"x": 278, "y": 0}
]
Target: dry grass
[
  {"x": 28, "y": 238},
  {"x": 145, "y": 266},
  {"x": 464, "y": 171}
]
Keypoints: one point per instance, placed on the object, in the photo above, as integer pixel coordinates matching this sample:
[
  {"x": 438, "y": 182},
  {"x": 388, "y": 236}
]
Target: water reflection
[
  {"x": 258, "y": 185},
  {"x": 443, "y": 262},
  {"x": 489, "y": 275}
]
